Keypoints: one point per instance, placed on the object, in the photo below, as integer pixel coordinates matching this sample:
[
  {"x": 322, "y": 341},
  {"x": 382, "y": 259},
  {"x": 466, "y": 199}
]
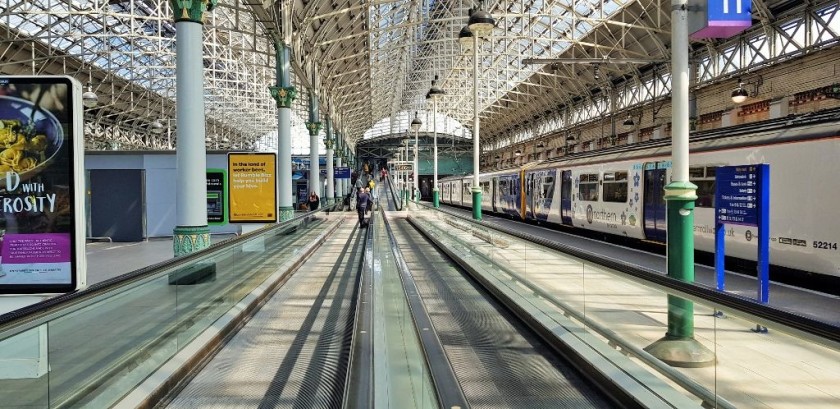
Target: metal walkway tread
[
  {"x": 497, "y": 360},
  {"x": 293, "y": 352}
]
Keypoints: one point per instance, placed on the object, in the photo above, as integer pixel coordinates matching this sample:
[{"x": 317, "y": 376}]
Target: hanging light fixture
[
  {"x": 481, "y": 23},
  {"x": 518, "y": 153},
  {"x": 89, "y": 98},
  {"x": 416, "y": 123},
  {"x": 628, "y": 123},
  {"x": 739, "y": 94},
  {"x": 465, "y": 38},
  {"x": 156, "y": 127}
]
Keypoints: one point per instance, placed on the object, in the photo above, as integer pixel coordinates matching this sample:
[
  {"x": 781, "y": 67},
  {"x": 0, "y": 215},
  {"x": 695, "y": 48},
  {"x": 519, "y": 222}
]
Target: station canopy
[{"x": 373, "y": 60}]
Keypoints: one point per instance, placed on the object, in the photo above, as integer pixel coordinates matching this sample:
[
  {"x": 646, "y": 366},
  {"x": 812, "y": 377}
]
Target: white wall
[{"x": 160, "y": 184}]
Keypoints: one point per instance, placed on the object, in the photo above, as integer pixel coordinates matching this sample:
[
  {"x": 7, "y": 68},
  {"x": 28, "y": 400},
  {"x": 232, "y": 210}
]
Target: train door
[
  {"x": 655, "y": 213},
  {"x": 530, "y": 192},
  {"x": 566, "y": 197},
  {"x": 494, "y": 189}
]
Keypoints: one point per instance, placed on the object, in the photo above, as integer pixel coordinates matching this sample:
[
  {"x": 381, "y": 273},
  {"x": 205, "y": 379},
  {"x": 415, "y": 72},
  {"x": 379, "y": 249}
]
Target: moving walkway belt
[{"x": 498, "y": 361}]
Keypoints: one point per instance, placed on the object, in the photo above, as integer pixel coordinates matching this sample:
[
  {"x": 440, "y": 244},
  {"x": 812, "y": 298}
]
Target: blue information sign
[
  {"x": 341, "y": 172},
  {"x": 742, "y": 196},
  {"x": 737, "y": 195}
]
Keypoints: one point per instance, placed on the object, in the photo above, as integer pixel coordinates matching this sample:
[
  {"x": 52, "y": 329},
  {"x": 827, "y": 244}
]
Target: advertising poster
[
  {"x": 252, "y": 181},
  {"x": 41, "y": 228},
  {"x": 217, "y": 197}
]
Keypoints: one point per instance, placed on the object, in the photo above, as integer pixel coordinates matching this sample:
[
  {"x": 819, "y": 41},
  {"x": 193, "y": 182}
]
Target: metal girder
[{"x": 376, "y": 59}]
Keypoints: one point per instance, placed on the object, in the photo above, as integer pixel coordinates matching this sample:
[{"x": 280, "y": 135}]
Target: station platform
[{"x": 424, "y": 308}]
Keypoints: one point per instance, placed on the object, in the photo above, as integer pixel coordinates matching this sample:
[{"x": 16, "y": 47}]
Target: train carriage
[{"x": 620, "y": 191}]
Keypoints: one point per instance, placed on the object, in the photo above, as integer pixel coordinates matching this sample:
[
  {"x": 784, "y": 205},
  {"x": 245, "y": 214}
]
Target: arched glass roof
[{"x": 372, "y": 59}]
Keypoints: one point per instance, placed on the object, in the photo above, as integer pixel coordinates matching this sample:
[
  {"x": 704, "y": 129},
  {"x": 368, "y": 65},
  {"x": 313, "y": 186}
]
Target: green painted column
[
  {"x": 284, "y": 94},
  {"x": 680, "y": 197},
  {"x": 191, "y": 232},
  {"x": 678, "y": 347},
  {"x": 476, "y": 199}
]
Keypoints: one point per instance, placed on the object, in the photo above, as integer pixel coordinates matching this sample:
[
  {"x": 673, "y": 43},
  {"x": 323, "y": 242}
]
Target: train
[{"x": 619, "y": 190}]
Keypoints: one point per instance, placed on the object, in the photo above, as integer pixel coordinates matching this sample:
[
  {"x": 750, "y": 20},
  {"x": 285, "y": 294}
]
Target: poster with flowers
[{"x": 40, "y": 164}]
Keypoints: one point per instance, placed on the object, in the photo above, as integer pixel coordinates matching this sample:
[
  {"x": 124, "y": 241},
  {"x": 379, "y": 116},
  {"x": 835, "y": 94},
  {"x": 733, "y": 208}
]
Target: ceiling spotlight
[
  {"x": 89, "y": 98},
  {"x": 739, "y": 94},
  {"x": 518, "y": 152}
]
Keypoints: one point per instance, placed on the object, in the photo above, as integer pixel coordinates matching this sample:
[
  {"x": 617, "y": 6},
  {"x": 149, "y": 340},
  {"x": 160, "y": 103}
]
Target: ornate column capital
[
  {"x": 283, "y": 96},
  {"x": 313, "y": 127},
  {"x": 192, "y": 10},
  {"x": 328, "y": 142}
]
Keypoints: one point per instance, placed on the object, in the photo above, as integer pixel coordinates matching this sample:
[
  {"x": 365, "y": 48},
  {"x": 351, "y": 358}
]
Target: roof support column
[
  {"x": 284, "y": 93},
  {"x": 191, "y": 232},
  {"x": 314, "y": 127},
  {"x": 678, "y": 347},
  {"x": 330, "y": 193}
]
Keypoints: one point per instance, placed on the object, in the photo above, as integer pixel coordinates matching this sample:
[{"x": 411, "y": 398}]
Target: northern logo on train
[{"x": 589, "y": 214}]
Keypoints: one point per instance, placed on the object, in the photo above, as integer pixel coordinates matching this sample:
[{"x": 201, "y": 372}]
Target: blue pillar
[
  {"x": 284, "y": 93},
  {"x": 191, "y": 232}
]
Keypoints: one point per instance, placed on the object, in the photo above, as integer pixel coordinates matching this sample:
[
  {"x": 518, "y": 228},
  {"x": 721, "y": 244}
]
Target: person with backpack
[{"x": 362, "y": 205}]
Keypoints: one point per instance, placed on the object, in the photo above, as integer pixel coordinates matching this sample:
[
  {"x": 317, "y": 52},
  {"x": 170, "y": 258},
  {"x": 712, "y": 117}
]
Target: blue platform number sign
[
  {"x": 720, "y": 18},
  {"x": 742, "y": 197},
  {"x": 341, "y": 172}
]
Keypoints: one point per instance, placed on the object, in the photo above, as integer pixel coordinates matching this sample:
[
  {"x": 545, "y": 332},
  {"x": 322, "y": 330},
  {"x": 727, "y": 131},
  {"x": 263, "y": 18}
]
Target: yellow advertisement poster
[{"x": 252, "y": 181}]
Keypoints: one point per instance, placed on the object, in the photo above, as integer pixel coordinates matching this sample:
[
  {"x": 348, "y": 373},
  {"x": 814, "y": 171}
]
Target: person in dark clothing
[
  {"x": 313, "y": 201},
  {"x": 362, "y": 205}
]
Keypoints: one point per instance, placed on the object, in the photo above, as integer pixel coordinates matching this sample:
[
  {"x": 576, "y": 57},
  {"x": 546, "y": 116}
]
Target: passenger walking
[
  {"x": 362, "y": 206},
  {"x": 313, "y": 201}
]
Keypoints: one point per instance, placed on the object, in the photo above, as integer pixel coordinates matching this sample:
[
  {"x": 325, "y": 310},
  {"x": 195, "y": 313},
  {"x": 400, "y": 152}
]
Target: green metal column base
[
  {"x": 405, "y": 199},
  {"x": 678, "y": 347},
  {"x": 436, "y": 197},
  {"x": 188, "y": 239},
  {"x": 287, "y": 213},
  {"x": 682, "y": 352},
  {"x": 330, "y": 201},
  {"x": 476, "y": 203}
]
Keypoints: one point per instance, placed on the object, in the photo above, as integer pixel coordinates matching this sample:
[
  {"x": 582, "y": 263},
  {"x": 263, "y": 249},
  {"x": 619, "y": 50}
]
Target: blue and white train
[{"x": 619, "y": 190}]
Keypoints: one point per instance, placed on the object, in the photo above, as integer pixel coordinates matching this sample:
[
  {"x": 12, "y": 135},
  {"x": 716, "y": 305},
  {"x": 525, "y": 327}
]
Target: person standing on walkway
[{"x": 362, "y": 204}]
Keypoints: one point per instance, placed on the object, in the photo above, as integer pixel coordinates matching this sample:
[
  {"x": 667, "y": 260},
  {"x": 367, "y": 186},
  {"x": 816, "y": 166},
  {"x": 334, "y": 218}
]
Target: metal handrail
[{"x": 447, "y": 387}]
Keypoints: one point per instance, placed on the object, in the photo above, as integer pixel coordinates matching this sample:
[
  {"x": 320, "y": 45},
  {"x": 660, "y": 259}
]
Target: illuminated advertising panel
[
  {"x": 217, "y": 197},
  {"x": 42, "y": 236},
  {"x": 252, "y": 184}
]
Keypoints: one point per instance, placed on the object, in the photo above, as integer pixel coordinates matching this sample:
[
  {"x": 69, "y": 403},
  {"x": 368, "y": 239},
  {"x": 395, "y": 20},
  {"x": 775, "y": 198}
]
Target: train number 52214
[{"x": 825, "y": 245}]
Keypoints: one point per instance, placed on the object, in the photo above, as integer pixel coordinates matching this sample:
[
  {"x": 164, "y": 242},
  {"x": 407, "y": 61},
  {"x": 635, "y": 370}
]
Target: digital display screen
[{"x": 38, "y": 187}]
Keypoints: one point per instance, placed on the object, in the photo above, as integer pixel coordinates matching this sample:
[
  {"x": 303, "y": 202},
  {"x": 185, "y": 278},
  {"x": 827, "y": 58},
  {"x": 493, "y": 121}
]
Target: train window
[
  {"x": 615, "y": 187},
  {"x": 588, "y": 187},
  {"x": 547, "y": 187},
  {"x": 704, "y": 178}
]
